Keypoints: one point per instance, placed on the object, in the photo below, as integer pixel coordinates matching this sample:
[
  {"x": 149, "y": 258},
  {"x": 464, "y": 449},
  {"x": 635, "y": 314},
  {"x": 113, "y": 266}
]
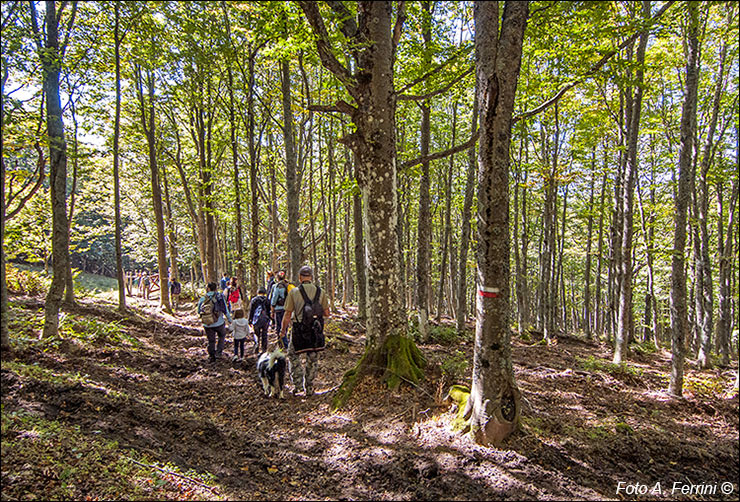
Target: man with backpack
[
  {"x": 175, "y": 290},
  {"x": 224, "y": 281},
  {"x": 211, "y": 309},
  {"x": 277, "y": 299},
  {"x": 259, "y": 319},
  {"x": 310, "y": 306}
]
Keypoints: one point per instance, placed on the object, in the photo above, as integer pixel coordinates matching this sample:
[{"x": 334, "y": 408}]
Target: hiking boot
[{"x": 296, "y": 391}]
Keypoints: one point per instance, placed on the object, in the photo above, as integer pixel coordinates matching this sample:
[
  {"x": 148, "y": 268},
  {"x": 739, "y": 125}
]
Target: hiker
[
  {"x": 128, "y": 280},
  {"x": 145, "y": 284},
  {"x": 307, "y": 335},
  {"x": 235, "y": 296},
  {"x": 270, "y": 283},
  {"x": 137, "y": 281},
  {"x": 211, "y": 309},
  {"x": 259, "y": 319},
  {"x": 224, "y": 281},
  {"x": 277, "y": 300},
  {"x": 175, "y": 290},
  {"x": 241, "y": 330}
]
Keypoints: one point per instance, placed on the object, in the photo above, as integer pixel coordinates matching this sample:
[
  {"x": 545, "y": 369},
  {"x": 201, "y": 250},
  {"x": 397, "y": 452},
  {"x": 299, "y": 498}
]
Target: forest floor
[{"x": 126, "y": 407}]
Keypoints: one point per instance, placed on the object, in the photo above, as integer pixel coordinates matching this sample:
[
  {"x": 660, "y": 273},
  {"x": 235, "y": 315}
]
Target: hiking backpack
[
  {"x": 208, "y": 310},
  {"x": 234, "y": 295},
  {"x": 176, "y": 288},
  {"x": 283, "y": 295},
  {"x": 261, "y": 315},
  {"x": 308, "y": 334}
]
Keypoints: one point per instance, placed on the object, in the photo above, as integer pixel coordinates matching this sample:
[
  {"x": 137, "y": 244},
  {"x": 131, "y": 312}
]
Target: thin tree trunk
[
  {"x": 462, "y": 277},
  {"x": 447, "y": 219},
  {"x": 117, "y": 39},
  {"x": 51, "y": 65},
  {"x": 679, "y": 315},
  {"x": 147, "y": 121},
  {"x": 587, "y": 279}
]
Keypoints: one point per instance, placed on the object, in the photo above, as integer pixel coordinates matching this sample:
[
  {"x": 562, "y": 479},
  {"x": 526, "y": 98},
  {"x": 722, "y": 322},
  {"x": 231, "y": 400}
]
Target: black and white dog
[{"x": 271, "y": 368}]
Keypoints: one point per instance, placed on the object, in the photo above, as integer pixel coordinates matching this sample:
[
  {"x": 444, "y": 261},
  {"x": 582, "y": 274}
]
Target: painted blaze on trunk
[{"x": 494, "y": 403}]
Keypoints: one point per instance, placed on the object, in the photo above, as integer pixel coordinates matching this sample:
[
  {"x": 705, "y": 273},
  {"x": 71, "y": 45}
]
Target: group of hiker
[
  {"x": 140, "y": 283},
  {"x": 281, "y": 305}
]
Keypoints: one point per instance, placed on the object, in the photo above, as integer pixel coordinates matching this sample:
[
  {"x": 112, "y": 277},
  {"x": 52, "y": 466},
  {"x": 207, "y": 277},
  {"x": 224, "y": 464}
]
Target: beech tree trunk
[
  {"x": 51, "y": 57},
  {"x": 624, "y": 321},
  {"x": 387, "y": 349},
  {"x": 425, "y": 218},
  {"x": 679, "y": 310},
  {"x": 494, "y": 404},
  {"x": 116, "y": 162},
  {"x": 462, "y": 278},
  {"x": 146, "y": 109},
  {"x": 295, "y": 245}
]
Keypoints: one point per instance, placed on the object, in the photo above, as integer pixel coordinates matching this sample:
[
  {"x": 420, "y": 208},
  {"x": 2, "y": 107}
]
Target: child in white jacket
[{"x": 241, "y": 330}]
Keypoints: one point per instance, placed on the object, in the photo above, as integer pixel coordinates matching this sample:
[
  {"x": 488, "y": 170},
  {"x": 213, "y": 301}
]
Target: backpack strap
[
  {"x": 316, "y": 299},
  {"x": 304, "y": 295}
]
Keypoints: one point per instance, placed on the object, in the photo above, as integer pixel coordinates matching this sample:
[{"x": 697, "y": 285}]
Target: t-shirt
[
  {"x": 294, "y": 302},
  {"x": 241, "y": 328}
]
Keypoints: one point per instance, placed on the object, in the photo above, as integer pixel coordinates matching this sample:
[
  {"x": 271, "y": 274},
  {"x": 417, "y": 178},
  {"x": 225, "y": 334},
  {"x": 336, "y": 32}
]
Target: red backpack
[{"x": 234, "y": 295}]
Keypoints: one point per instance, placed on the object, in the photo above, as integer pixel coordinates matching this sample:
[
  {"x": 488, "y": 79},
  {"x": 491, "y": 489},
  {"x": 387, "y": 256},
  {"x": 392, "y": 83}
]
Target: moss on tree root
[{"x": 397, "y": 360}]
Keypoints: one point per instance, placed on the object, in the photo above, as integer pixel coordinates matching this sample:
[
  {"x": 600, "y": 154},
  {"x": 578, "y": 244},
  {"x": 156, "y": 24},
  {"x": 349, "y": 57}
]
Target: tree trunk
[
  {"x": 295, "y": 245},
  {"x": 237, "y": 185},
  {"x": 679, "y": 314},
  {"x": 447, "y": 221},
  {"x": 51, "y": 65},
  {"x": 587, "y": 327},
  {"x": 462, "y": 277},
  {"x": 359, "y": 255},
  {"x": 725, "y": 252},
  {"x": 116, "y": 163},
  {"x": 494, "y": 403},
  {"x": 147, "y": 122},
  {"x": 425, "y": 219},
  {"x": 624, "y": 322},
  {"x": 253, "y": 168}
]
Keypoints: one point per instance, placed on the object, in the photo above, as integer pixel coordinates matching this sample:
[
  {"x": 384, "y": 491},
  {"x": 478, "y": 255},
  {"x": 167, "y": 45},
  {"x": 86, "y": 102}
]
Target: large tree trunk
[
  {"x": 494, "y": 404},
  {"x": 253, "y": 165},
  {"x": 679, "y": 310},
  {"x": 51, "y": 65}
]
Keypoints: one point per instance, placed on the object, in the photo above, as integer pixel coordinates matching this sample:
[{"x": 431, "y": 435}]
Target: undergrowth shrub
[
  {"x": 592, "y": 363},
  {"x": 26, "y": 282},
  {"x": 455, "y": 367}
]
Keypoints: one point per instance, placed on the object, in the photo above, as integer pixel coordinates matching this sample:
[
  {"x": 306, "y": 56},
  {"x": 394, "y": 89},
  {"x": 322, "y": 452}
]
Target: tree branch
[
  {"x": 428, "y": 74},
  {"x": 594, "y": 68},
  {"x": 421, "y": 97},
  {"x": 444, "y": 153},
  {"x": 326, "y": 54}
]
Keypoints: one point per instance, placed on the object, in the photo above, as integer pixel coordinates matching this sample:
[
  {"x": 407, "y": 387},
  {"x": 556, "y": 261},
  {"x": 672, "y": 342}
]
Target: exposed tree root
[{"x": 397, "y": 360}]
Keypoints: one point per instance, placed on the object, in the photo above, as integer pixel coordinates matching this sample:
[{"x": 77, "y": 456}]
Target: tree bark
[
  {"x": 679, "y": 310},
  {"x": 447, "y": 222},
  {"x": 494, "y": 404}
]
